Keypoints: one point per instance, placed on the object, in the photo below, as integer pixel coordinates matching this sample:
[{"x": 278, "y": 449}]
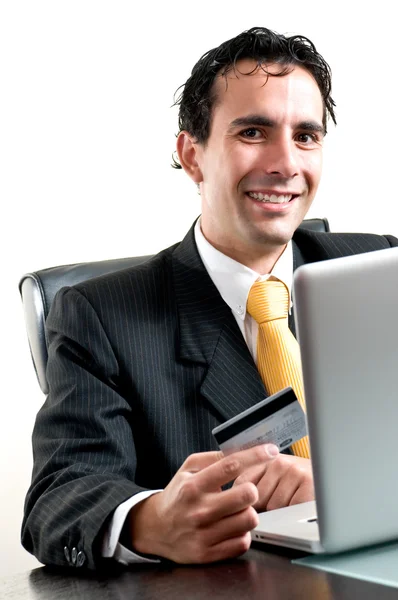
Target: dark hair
[{"x": 262, "y": 45}]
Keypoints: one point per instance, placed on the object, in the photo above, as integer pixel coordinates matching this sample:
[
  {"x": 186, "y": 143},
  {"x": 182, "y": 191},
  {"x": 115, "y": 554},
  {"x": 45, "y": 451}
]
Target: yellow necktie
[{"x": 278, "y": 353}]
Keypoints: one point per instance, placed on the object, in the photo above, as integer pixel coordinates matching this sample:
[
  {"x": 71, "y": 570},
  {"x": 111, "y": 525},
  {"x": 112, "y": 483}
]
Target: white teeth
[{"x": 273, "y": 198}]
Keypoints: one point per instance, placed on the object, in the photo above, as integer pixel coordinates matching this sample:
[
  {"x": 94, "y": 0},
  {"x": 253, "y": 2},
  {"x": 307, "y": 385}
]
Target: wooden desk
[{"x": 257, "y": 574}]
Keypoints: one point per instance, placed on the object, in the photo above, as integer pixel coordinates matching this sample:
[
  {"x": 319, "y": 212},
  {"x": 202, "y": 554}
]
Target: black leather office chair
[{"x": 39, "y": 288}]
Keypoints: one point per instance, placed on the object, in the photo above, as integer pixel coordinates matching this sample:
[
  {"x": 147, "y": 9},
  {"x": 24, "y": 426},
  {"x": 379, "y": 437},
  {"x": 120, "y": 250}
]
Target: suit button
[
  {"x": 73, "y": 556},
  {"x": 67, "y": 554},
  {"x": 81, "y": 559}
]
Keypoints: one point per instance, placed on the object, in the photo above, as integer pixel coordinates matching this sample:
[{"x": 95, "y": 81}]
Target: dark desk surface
[{"x": 257, "y": 574}]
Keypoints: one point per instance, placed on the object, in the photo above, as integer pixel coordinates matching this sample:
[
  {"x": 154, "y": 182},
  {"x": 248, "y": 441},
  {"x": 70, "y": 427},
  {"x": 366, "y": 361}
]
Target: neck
[{"x": 261, "y": 262}]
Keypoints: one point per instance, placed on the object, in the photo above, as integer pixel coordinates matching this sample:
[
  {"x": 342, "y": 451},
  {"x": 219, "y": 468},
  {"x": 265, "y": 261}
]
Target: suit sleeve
[
  {"x": 83, "y": 447},
  {"x": 392, "y": 240}
]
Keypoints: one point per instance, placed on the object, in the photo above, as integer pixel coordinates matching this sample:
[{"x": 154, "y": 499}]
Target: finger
[
  {"x": 253, "y": 475},
  {"x": 283, "y": 479},
  {"x": 222, "y": 505},
  {"x": 270, "y": 481},
  {"x": 304, "y": 493},
  {"x": 201, "y": 460},
  {"x": 233, "y": 465},
  {"x": 284, "y": 491},
  {"x": 232, "y": 526},
  {"x": 226, "y": 549}
]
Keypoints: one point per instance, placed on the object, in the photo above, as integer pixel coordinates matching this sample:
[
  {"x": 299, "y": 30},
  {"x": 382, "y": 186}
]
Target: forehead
[{"x": 249, "y": 89}]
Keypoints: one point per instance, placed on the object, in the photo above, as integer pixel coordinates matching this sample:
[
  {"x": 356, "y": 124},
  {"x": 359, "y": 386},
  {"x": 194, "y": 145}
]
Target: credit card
[{"x": 279, "y": 419}]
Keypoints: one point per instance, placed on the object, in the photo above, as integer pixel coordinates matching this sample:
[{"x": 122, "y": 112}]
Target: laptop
[{"x": 346, "y": 314}]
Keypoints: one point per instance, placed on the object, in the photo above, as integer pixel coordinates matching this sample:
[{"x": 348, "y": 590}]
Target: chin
[{"x": 278, "y": 237}]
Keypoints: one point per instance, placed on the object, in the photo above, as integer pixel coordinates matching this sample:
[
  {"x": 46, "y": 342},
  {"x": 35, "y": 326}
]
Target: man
[{"x": 144, "y": 363}]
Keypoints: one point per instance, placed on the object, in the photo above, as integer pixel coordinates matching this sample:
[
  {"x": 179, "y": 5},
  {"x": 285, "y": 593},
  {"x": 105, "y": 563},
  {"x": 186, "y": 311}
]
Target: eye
[
  {"x": 308, "y": 139},
  {"x": 251, "y": 133}
]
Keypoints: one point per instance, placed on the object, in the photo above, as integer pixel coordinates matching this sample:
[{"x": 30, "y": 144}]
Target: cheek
[
  {"x": 233, "y": 157},
  {"x": 313, "y": 168},
  {"x": 243, "y": 160}
]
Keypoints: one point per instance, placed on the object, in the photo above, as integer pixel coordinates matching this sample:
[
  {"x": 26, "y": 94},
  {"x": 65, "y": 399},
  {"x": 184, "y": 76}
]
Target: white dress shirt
[{"x": 234, "y": 281}]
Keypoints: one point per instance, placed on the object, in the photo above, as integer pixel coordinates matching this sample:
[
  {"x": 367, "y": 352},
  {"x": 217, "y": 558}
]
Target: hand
[
  {"x": 193, "y": 520},
  {"x": 283, "y": 482}
]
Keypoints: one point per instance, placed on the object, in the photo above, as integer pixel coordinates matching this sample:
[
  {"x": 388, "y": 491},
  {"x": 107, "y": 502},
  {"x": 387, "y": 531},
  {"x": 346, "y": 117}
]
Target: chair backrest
[{"x": 39, "y": 288}]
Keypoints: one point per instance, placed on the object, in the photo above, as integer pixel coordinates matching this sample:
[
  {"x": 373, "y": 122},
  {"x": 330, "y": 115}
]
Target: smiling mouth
[{"x": 272, "y": 198}]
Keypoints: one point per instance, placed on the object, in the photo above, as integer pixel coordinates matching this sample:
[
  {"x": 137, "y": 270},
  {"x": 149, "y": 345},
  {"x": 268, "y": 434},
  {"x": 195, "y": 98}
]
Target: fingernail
[{"x": 272, "y": 450}]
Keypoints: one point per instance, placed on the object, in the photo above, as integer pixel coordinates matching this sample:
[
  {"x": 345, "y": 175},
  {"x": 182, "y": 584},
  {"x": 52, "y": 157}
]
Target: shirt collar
[{"x": 234, "y": 280}]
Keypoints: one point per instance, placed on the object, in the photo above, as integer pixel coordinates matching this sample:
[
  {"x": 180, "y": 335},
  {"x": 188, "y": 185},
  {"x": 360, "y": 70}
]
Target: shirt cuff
[{"x": 111, "y": 547}]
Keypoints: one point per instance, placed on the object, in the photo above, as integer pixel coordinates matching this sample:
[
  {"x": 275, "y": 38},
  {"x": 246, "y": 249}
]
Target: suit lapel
[
  {"x": 298, "y": 260},
  {"x": 232, "y": 383},
  {"x": 209, "y": 335}
]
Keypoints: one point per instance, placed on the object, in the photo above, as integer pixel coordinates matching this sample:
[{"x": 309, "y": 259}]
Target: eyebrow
[{"x": 261, "y": 121}]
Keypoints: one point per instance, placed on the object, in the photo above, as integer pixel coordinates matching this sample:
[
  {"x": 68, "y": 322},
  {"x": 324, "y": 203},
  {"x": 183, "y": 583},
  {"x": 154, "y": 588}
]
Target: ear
[{"x": 187, "y": 150}]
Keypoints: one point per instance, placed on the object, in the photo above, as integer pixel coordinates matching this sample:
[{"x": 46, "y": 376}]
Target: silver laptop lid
[{"x": 347, "y": 323}]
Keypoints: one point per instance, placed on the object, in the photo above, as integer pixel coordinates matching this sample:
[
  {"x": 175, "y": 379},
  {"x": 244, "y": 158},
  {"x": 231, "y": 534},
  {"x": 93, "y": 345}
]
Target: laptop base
[{"x": 293, "y": 527}]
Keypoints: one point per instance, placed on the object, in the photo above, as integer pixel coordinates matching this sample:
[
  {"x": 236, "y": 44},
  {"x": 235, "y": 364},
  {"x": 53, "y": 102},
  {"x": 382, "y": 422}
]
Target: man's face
[{"x": 260, "y": 168}]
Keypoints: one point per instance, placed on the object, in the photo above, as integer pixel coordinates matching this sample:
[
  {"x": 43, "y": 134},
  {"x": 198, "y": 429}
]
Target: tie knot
[{"x": 268, "y": 300}]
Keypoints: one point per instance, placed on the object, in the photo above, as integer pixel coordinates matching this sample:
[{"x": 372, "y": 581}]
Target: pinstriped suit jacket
[{"x": 143, "y": 363}]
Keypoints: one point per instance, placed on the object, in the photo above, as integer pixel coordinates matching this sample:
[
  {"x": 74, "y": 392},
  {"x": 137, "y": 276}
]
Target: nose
[{"x": 282, "y": 158}]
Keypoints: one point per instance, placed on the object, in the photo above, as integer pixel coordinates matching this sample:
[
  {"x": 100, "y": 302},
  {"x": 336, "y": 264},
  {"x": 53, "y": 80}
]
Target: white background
[{"x": 86, "y": 138}]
